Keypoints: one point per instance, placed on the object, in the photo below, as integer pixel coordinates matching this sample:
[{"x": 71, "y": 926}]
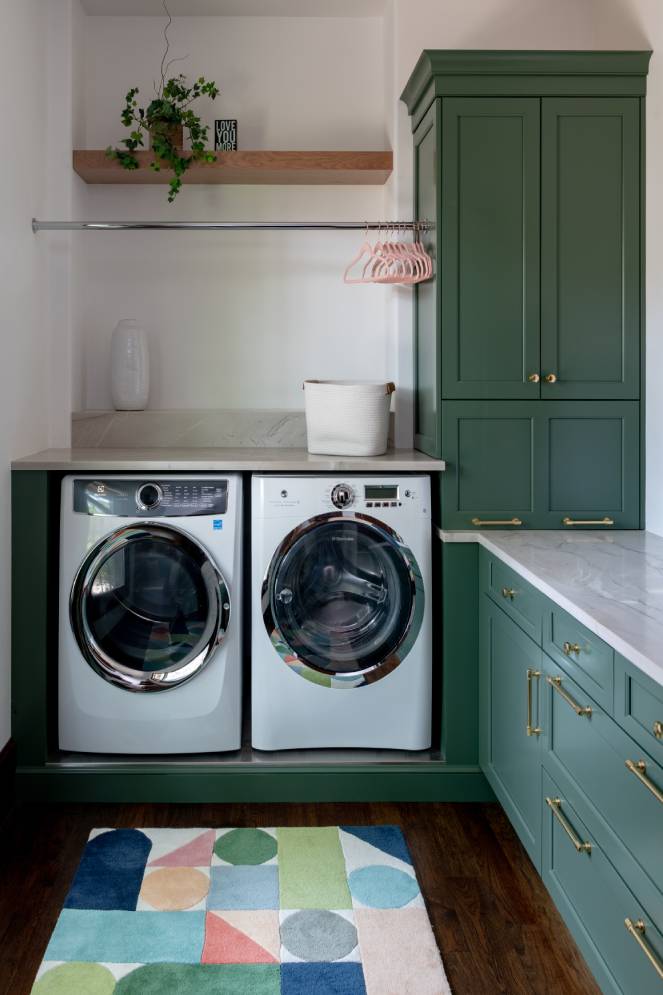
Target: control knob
[
  {"x": 149, "y": 496},
  {"x": 342, "y": 496}
]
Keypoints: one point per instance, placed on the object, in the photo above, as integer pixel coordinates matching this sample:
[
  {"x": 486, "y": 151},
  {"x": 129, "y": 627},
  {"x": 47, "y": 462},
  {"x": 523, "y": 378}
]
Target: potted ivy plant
[{"x": 164, "y": 121}]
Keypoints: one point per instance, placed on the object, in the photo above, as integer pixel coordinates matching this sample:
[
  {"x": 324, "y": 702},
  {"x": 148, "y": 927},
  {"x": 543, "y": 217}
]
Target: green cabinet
[
  {"x": 590, "y": 247},
  {"x": 530, "y": 165},
  {"x": 540, "y": 464},
  {"x": 489, "y": 255},
  {"x": 509, "y": 721}
]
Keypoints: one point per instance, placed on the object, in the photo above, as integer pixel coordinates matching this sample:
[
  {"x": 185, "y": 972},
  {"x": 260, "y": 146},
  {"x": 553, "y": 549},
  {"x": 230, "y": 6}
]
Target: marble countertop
[
  {"x": 612, "y": 582},
  {"x": 231, "y": 459}
]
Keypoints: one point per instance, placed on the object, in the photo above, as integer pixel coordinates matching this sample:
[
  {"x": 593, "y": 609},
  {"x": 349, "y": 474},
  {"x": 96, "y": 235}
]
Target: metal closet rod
[{"x": 415, "y": 226}]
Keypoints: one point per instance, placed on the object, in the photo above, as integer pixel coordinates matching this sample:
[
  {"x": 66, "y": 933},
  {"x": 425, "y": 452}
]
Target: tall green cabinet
[{"x": 529, "y": 338}]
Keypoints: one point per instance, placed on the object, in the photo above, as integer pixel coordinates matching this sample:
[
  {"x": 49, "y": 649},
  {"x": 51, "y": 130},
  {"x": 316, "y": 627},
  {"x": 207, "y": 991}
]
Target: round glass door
[
  {"x": 343, "y": 600},
  {"x": 148, "y": 608}
]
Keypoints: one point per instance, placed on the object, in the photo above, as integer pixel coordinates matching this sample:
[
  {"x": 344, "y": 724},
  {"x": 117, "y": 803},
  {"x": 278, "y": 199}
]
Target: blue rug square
[
  {"x": 322, "y": 979},
  {"x": 244, "y": 887}
]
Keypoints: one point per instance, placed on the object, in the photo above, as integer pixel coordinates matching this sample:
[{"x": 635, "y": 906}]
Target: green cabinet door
[
  {"x": 536, "y": 464},
  {"x": 590, "y": 247},
  {"x": 588, "y": 457},
  {"x": 510, "y": 666},
  {"x": 427, "y": 382},
  {"x": 489, "y": 263}
]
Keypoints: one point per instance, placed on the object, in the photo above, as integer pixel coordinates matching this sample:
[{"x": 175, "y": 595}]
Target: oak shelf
[{"x": 246, "y": 167}]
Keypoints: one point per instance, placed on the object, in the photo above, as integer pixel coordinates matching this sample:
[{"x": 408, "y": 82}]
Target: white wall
[{"x": 239, "y": 319}]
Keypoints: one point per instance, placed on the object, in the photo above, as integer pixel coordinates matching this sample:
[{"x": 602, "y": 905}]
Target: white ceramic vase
[{"x": 130, "y": 366}]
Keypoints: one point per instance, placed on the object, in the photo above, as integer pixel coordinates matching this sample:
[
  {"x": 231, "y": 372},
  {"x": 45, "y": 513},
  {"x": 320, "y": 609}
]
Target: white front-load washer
[
  {"x": 341, "y": 614},
  {"x": 149, "y": 636}
]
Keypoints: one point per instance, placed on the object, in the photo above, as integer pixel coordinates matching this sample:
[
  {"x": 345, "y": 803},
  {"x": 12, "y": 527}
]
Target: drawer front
[
  {"x": 584, "y": 656},
  {"x": 593, "y": 751},
  {"x": 596, "y": 903},
  {"x": 522, "y": 602},
  {"x": 639, "y": 707}
]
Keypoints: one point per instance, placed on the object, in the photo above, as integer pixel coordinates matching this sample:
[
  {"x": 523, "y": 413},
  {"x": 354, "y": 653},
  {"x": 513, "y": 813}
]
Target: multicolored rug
[{"x": 314, "y": 911}]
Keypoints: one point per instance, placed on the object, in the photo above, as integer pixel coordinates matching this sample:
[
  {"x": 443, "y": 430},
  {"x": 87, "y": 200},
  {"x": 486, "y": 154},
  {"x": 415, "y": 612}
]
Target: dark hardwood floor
[{"x": 497, "y": 929}]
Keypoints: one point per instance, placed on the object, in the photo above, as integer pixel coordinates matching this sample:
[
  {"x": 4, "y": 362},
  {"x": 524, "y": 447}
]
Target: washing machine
[
  {"x": 341, "y": 614},
  {"x": 149, "y": 636}
]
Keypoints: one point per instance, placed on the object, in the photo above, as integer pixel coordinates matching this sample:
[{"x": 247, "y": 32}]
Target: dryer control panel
[{"x": 162, "y": 498}]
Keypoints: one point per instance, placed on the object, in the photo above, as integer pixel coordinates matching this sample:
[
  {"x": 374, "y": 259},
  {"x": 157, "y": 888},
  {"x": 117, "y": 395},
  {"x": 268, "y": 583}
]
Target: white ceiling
[{"x": 238, "y": 8}]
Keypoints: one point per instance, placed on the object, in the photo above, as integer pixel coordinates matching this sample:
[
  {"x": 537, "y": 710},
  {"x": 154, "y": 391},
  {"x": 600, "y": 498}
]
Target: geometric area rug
[{"x": 333, "y": 910}]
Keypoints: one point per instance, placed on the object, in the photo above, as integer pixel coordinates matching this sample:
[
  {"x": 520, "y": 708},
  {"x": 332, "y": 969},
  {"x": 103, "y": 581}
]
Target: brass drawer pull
[
  {"x": 637, "y": 930},
  {"x": 556, "y": 685},
  {"x": 570, "y": 648},
  {"x": 639, "y": 768},
  {"x": 496, "y": 521},
  {"x": 531, "y": 730},
  {"x": 508, "y": 592},
  {"x": 550, "y": 378},
  {"x": 658, "y": 729},
  {"x": 555, "y": 806},
  {"x": 588, "y": 521},
  {"x": 534, "y": 378}
]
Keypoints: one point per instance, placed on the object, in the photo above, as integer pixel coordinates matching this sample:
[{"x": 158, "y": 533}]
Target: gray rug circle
[{"x": 318, "y": 935}]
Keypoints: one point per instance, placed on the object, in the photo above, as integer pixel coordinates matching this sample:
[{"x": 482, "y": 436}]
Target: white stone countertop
[
  {"x": 253, "y": 459},
  {"x": 612, "y": 582}
]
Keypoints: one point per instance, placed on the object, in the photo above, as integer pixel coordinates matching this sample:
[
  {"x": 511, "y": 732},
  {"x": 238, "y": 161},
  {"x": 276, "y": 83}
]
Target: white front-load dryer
[
  {"x": 341, "y": 615},
  {"x": 149, "y": 634}
]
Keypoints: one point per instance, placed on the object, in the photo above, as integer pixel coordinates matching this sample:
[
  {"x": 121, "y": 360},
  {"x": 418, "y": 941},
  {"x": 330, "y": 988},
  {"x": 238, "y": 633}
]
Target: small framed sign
[{"x": 225, "y": 135}]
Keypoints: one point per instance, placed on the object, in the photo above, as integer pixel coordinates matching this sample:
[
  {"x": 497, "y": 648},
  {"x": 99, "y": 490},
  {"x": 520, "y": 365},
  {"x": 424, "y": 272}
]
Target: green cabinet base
[{"x": 403, "y": 782}]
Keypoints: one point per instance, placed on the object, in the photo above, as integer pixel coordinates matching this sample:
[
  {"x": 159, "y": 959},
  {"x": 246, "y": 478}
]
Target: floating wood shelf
[{"x": 247, "y": 167}]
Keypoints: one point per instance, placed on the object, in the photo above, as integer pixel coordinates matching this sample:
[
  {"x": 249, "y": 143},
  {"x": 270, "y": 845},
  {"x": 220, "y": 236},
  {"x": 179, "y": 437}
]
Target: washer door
[
  {"x": 148, "y": 607},
  {"x": 343, "y": 600}
]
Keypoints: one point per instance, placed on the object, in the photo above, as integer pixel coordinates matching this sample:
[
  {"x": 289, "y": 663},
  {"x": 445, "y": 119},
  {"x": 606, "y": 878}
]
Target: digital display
[{"x": 381, "y": 492}]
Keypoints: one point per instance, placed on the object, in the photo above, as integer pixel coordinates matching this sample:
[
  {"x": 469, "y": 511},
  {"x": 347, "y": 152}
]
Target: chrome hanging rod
[{"x": 415, "y": 226}]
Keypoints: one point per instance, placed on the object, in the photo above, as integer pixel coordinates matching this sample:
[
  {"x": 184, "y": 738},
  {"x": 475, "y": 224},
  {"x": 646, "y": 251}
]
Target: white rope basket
[{"x": 347, "y": 417}]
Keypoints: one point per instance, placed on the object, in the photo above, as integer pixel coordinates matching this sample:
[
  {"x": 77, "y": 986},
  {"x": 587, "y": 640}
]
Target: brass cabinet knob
[
  {"x": 570, "y": 648},
  {"x": 533, "y": 378},
  {"x": 550, "y": 378},
  {"x": 658, "y": 729},
  {"x": 508, "y": 592}
]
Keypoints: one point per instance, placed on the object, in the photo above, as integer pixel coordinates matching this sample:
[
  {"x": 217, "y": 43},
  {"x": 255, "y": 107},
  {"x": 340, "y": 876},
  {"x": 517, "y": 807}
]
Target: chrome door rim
[
  {"x": 215, "y": 629},
  {"x": 375, "y": 672}
]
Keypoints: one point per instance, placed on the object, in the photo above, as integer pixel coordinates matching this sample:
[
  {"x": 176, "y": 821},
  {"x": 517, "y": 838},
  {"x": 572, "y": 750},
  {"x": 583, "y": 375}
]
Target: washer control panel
[{"x": 163, "y": 498}]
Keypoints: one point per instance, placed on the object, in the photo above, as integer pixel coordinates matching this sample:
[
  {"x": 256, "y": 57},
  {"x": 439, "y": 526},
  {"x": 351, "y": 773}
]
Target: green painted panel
[
  {"x": 490, "y": 247},
  {"x": 594, "y": 901},
  {"x": 426, "y": 316},
  {"x": 460, "y": 650},
  {"x": 489, "y": 449},
  {"x": 590, "y": 250},
  {"x": 588, "y": 454},
  {"x": 593, "y": 751},
  {"x": 585, "y": 657},
  {"x": 411, "y": 782},
  {"x": 510, "y": 759}
]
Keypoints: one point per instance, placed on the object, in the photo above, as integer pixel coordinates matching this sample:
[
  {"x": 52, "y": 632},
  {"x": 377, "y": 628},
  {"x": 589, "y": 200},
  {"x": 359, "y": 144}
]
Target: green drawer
[
  {"x": 595, "y": 902},
  {"x": 584, "y": 656},
  {"x": 639, "y": 706},
  {"x": 522, "y": 602},
  {"x": 593, "y": 752}
]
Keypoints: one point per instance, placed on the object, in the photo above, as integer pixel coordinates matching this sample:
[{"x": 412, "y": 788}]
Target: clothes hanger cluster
[{"x": 390, "y": 260}]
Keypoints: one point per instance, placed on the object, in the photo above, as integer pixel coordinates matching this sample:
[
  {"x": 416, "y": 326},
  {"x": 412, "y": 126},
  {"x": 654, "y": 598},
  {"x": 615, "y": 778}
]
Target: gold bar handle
[
  {"x": 556, "y": 685},
  {"x": 531, "y": 730},
  {"x": 555, "y": 806},
  {"x": 588, "y": 521},
  {"x": 637, "y": 930},
  {"x": 639, "y": 768},
  {"x": 496, "y": 521}
]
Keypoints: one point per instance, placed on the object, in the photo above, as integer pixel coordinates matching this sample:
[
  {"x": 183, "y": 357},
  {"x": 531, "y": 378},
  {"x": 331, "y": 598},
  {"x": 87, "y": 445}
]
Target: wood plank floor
[{"x": 497, "y": 929}]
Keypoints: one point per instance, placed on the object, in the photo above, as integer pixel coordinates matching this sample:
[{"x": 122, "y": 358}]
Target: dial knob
[
  {"x": 148, "y": 496},
  {"x": 342, "y": 496}
]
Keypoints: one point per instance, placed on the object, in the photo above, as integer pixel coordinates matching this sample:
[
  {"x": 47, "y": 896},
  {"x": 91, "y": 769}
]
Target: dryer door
[
  {"x": 148, "y": 607},
  {"x": 343, "y": 600}
]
